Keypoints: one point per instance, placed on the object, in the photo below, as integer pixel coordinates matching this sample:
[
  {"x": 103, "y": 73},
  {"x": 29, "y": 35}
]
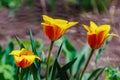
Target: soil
[{"x": 26, "y": 18}]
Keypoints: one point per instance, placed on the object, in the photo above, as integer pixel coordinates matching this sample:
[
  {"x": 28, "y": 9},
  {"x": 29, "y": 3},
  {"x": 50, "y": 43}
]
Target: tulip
[
  {"x": 97, "y": 35},
  {"x": 23, "y": 58},
  {"x": 55, "y": 28}
]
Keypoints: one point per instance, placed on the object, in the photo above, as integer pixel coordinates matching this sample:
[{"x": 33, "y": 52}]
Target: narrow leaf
[
  {"x": 62, "y": 74},
  {"x": 96, "y": 71},
  {"x": 33, "y": 43},
  {"x": 53, "y": 70},
  {"x": 19, "y": 42},
  {"x": 68, "y": 65},
  {"x": 36, "y": 65},
  {"x": 81, "y": 57},
  {"x": 99, "y": 74}
]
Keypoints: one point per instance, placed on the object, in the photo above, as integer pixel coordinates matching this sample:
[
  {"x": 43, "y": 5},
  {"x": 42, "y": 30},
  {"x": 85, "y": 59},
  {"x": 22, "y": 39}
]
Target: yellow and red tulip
[
  {"x": 23, "y": 58},
  {"x": 55, "y": 28},
  {"x": 97, "y": 35}
]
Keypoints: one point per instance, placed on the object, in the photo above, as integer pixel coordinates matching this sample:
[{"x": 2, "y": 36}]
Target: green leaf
[
  {"x": 53, "y": 70},
  {"x": 68, "y": 49},
  {"x": 36, "y": 66},
  {"x": 95, "y": 72},
  {"x": 99, "y": 74},
  {"x": 19, "y": 43},
  {"x": 81, "y": 57},
  {"x": 1, "y": 52},
  {"x": 102, "y": 5},
  {"x": 33, "y": 43},
  {"x": 6, "y": 72},
  {"x": 25, "y": 73},
  {"x": 62, "y": 74},
  {"x": 6, "y": 55},
  {"x": 85, "y": 77},
  {"x": 112, "y": 73},
  {"x": 68, "y": 65},
  {"x": 40, "y": 52},
  {"x": 35, "y": 72}
]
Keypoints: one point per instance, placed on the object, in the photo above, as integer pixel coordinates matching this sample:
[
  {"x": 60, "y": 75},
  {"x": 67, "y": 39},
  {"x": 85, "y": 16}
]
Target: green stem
[
  {"x": 18, "y": 74},
  {"x": 88, "y": 60},
  {"x": 48, "y": 60}
]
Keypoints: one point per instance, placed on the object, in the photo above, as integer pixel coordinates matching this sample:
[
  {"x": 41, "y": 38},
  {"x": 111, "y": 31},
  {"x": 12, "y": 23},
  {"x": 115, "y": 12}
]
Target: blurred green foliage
[
  {"x": 74, "y": 60},
  {"x": 32, "y": 72},
  {"x": 71, "y": 53},
  {"x": 112, "y": 73},
  {"x": 7, "y": 66},
  {"x": 14, "y": 5},
  {"x": 98, "y": 6}
]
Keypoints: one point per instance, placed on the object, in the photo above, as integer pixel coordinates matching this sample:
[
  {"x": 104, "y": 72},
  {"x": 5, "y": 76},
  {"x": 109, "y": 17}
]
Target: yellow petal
[
  {"x": 113, "y": 35},
  {"x": 31, "y": 58},
  {"x": 105, "y": 28},
  {"x": 26, "y": 52},
  {"x": 37, "y": 57},
  {"x": 86, "y": 27},
  {"x": 25, "y": 60},
  {"x": 44, "y": 24},
  {"x": 60, "y": 21},
  {"x": 93, "y": 26},
  {"x": 15, "y": 52},
  {"x": 70, "y": 24},
  {"x": 18, "y": 59},
  {"x": 47, "y": 18}
]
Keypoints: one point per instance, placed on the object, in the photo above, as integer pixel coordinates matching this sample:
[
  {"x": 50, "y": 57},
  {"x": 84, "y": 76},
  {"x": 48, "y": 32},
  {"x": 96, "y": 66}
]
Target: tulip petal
[
  {"x": 55, "y": 28},
  {"x": 47, "y": 19},
  {"x": 45, "y": 24},
  {"x": 58, "y": 32},
  {"x": 86, "y": 27},
  {"x": 92, "y": 38},
  {"x": 15, "y": 52},
  {"x": 49, "y": 31},
  {"x": 97, "y": 34},
  {"x": 105, "y": 28},
  {"x": 70, "y": 24},
  {"x": 24, "y": 63},
  {"x": 26, "y": 52},
  {"x": 93, "y": 26},
  {"x": 101, "y": 37},
  {"x": 18, "y": 61},
  {"x": 113, "y": 35},
  {"x": 59, "y": 21},
  {"x": 24, "y": 58}
]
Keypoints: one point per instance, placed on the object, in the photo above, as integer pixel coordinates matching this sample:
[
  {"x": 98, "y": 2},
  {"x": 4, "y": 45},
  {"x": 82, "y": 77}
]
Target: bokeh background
[{"x": 18, "y": 16}]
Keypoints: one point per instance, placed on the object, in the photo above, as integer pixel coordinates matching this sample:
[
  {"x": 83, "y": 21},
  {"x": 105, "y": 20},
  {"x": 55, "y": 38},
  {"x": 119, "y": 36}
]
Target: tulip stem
[
  {"x": 18, "y": 74},
  {"x": 48, "y": 60},
  {"x": 88, "y": 60}
]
